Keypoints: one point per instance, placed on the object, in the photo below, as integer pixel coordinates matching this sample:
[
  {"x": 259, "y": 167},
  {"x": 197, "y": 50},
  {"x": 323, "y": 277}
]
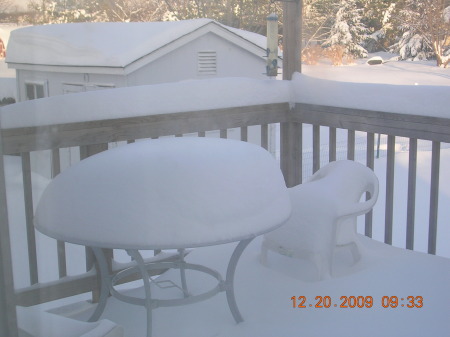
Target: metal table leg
[
  {"x": 181, "y": 252},
  {"x": 105, "y": 281},
  {"x": 148, "y": 295},
  {"x": 229, "y": 281}
]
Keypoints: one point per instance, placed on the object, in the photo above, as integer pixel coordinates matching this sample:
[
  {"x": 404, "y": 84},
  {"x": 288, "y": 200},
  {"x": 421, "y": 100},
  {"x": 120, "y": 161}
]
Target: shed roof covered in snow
[{"x": 116, "y": 44}]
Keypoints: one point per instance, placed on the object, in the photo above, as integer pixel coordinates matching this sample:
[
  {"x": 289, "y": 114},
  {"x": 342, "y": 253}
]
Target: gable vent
[{"x": 207, "y": 62}]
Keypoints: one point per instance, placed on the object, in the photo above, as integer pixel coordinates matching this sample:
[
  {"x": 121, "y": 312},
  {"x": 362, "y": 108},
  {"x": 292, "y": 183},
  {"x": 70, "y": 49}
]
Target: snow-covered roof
[{"x": 111, "y": 44}]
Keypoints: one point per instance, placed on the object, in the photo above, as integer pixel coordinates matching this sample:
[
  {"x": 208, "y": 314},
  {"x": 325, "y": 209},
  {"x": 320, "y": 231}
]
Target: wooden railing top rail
[
  {"x": 404, "y": 125},
  {"x": 16, "y": 140}
]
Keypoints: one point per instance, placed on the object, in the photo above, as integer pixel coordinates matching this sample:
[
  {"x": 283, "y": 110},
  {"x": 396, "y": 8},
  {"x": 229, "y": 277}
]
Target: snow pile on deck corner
[{"x": 426, "y": 100}]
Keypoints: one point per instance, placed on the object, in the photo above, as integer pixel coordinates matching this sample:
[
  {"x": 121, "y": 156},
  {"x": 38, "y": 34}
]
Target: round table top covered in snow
[{"x": 166, "y": 193}]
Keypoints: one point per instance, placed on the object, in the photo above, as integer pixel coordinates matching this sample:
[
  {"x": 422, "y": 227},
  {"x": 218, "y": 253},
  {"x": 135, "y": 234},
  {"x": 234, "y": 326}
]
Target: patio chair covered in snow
[
  {"x": 324, "y": 213},
  {"x": 37, "y": 323}
]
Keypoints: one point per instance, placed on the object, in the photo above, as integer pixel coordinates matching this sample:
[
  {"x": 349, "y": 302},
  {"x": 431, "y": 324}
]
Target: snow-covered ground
[
  {"x": 264, "y": 294},
  {"x": 390, "y": 72}
]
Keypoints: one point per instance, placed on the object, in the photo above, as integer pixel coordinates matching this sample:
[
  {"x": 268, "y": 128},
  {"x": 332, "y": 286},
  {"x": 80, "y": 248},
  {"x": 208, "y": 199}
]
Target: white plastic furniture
[
  {"x": 36, "y": 323},
  {"x": 171, "y": 193},
  {"x": 324, "y": 214}
]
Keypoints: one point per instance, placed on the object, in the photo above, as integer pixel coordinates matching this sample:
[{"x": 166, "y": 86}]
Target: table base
[{"x": 109, "y": 281}]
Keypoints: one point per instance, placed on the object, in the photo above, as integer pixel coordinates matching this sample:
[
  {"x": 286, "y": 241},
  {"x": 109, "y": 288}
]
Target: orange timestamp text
[{"x": 358, "y": 302}]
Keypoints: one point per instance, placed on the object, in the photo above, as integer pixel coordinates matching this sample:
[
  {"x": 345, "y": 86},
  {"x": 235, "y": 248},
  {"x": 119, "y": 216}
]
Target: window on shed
[
  {"x": 34, "y": 90},
  {"x": 81, "y": 87},
  {"x": 72, "y": 88},
  {"x": 207, "y": 62}
]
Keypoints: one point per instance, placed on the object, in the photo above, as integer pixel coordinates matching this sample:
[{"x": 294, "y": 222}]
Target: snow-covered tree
[
  {"x": 318, "y": 16},
  {"x": 245, "y": 14},
  {"x": 378, "y": 17},
  {"x": 59, "y": 11},
  {"x": 5, "y": 5},
  {"x": 129, "y": 10},
  {"x": 348, "y": 30},
  {"x": 426, "y": 27}
]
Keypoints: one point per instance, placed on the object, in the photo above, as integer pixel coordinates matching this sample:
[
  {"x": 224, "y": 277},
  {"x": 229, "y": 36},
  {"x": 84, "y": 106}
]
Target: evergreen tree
[
  {"x": 378, "y": 17},
  {"x": 348, "y": 30}
]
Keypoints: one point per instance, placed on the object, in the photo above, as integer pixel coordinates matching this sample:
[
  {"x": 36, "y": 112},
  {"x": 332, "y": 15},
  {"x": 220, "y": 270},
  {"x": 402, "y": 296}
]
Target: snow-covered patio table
[{"x": 171, "y": 193}]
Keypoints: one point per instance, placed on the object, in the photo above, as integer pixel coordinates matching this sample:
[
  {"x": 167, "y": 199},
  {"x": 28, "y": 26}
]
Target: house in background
[{"x": 58, "y": 59}]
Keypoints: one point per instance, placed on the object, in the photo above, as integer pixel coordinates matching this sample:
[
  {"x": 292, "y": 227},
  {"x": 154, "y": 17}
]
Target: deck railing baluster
[
  {"x": 29, "y": 213},
  {"x": 411, "y": 205},
  {"x": 434, "y": 196},
  {"x": 60, "y": 245},
  {"x": 389, "y": 210},
  {"x": 316, "y": 148},
  {"x": 370, "y": 162},
  {"x": 351, "y": 145},
  {"x": 244, "y": 134},
  {"x": 85, "y": 152},
  {"x": 265, "y": 136},
  {"x": 332, "y": 144}
]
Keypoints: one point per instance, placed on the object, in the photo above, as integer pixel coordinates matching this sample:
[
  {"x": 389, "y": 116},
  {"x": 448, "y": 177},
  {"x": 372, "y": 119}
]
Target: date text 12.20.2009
[{"x": 358, "y": 302}]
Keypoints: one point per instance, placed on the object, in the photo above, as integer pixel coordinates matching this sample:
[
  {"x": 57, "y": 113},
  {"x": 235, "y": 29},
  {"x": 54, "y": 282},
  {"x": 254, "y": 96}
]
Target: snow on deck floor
[{"x": 264, "y": 297}]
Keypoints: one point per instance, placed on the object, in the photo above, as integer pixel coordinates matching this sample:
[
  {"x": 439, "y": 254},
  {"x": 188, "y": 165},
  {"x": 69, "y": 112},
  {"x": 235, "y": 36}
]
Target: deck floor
[{"x": 264, "y": 297}]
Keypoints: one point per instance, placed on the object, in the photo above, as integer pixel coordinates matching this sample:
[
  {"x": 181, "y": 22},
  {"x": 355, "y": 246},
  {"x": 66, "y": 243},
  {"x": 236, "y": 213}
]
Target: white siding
[
  {"x": 60, "y": 83},
  {"x": 182, "y": 64}
]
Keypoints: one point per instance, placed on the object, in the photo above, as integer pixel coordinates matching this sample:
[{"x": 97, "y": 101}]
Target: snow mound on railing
[
  {"x": 145, "y": 100},
  {"x": 425, "y": 100},
  {"x": 197, "y": 95}
]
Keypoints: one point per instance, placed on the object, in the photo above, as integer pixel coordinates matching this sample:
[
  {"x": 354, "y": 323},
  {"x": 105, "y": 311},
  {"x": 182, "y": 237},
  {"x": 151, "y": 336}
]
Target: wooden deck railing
[{"x": 92, "y": 137}]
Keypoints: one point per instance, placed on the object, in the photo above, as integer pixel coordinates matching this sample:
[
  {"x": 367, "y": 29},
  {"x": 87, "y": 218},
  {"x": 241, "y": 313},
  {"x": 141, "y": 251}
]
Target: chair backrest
[{"x": 347, "y": 181}]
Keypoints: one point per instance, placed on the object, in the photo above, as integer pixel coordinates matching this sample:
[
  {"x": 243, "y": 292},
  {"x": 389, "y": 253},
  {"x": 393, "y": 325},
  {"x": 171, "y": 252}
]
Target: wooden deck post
[
  {"x": 292, "y": 37},
  {"x": 8, "y": 319},
  {"x": 291, "y": 132}
]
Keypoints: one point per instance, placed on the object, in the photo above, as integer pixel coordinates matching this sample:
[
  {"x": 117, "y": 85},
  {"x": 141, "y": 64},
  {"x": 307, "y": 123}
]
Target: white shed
[{"x": 57, "y": 59}]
